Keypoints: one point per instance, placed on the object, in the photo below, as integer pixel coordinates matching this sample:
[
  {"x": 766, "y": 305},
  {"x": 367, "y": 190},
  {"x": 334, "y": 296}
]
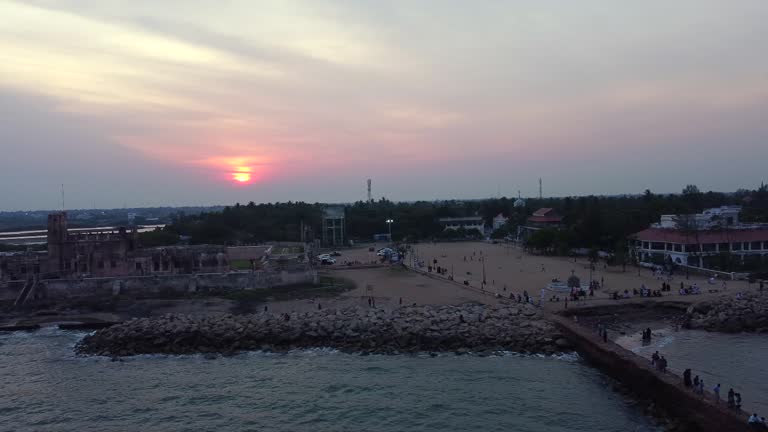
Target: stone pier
[{"x": 665, "y": 389}]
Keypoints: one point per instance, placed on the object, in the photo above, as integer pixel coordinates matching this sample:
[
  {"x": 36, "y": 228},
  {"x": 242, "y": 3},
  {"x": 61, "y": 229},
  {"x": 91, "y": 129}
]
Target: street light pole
[
  {"x": 389, "y": 224},
  {"x": 484, "y": 282}
]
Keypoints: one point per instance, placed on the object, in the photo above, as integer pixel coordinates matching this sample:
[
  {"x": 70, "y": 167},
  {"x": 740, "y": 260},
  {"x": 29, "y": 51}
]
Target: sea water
[
  {"x": 734, "y": 360},
  {"x": 46, "y": 387}
]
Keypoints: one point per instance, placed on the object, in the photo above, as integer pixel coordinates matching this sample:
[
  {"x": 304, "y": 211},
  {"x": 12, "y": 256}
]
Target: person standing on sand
[
  {"x": 687, "y": 378},
  {"x": 716, "y": 391}
]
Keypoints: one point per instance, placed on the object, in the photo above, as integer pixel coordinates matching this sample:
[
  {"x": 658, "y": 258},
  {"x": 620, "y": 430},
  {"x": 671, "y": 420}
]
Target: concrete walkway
[{"x": 663, "y": 388}]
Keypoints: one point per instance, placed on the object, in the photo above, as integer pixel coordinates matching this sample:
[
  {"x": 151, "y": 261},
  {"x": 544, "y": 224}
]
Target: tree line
[{"x": 602, "y": 222}]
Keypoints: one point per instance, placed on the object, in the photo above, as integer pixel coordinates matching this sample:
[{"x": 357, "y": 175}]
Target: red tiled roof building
[{"x": 716, "y": 243}]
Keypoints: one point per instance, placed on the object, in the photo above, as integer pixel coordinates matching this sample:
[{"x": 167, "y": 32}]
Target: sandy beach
[{"x": 509, "y": 270}]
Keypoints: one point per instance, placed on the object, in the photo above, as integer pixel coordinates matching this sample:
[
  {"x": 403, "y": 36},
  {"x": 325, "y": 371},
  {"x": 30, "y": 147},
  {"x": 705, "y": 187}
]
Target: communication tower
[
  {"x": 540, "y": 192},
  {"x": 370, "y": 196}
]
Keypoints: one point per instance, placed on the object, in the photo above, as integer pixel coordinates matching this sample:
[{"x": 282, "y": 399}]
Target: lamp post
[
  {"x": 484, "y": 282},
  {"x": 389, "y": 224}
]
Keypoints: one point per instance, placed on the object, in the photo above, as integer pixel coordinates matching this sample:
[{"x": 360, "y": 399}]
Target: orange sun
[
  {"x": 241, "y": 177},
  {"x": 242, "y": 174}
]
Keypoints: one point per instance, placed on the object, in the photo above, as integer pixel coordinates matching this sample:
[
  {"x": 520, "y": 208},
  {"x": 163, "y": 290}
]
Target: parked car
[
  {"x": 328, "y": 261},
  {"x": 335, "y": 253}
]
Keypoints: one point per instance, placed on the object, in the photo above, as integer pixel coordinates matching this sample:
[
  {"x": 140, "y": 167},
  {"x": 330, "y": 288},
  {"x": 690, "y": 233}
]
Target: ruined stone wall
[
  {"x": 140, "y": 286},
  {"x": 246, "y": 253},
  {"x": 10, "y": 290}
]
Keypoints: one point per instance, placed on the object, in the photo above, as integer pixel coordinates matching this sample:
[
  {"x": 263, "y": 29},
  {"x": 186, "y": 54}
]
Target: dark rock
[{"x": 408, "y": 329}]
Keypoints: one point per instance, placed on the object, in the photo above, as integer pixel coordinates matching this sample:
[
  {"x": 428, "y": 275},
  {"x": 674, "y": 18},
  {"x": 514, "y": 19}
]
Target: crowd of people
[
  {"x": 690, "y": 289},
  {"x": 733, "y": 398}
]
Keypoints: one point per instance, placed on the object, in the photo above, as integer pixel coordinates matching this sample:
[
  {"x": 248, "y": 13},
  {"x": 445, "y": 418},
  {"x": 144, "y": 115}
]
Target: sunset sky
[{"x": 189, "y": 102}]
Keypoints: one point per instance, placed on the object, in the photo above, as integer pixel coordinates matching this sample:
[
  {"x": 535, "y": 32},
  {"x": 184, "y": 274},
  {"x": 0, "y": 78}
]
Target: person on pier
[{"x": 687, "y": 378}]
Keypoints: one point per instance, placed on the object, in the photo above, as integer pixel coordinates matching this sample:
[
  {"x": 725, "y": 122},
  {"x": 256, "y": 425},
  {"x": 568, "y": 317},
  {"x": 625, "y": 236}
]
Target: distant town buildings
[{"x": 714, "y": 239}]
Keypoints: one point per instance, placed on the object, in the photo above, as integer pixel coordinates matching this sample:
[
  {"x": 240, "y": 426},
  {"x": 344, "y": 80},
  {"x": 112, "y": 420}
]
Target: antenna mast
[
  {"x": 370, "y": 196},
  {"x": 63, "y": 207},
  {"x": 540, "y": 194}
]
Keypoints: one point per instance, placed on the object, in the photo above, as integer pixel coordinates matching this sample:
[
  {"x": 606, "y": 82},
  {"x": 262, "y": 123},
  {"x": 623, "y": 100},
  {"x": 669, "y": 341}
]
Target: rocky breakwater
[
  {"x": 730, "y": 314},
  {"x": 461, "y": 329}
]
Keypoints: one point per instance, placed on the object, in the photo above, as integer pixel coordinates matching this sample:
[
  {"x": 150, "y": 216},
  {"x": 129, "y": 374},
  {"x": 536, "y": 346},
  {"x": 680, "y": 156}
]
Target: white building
[
  {"x": 710, "y": 240},
  {"x": 467, "y": 223},
  {"x": 720, "y": 217},
  {"x": 499, "y": 221}
]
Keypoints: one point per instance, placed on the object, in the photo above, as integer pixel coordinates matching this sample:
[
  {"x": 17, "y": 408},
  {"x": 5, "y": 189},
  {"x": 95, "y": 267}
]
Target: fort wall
[{"x": 178, "y": 284}]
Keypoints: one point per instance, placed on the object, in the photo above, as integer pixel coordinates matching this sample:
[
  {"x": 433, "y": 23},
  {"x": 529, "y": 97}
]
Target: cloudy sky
[{"x": 174, "y": 102}]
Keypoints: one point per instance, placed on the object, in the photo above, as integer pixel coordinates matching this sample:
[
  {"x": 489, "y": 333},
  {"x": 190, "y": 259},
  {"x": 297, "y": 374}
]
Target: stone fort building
[{"x": 118, "y": 253}]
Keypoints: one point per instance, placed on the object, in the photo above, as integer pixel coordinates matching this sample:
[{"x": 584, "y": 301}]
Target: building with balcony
[{"x": 714, "y": 239}]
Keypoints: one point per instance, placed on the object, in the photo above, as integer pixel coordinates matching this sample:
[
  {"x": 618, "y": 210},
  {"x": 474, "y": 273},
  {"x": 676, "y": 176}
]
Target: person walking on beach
[
  {"x": 696, "y": 383},
  {"x": 716, "y": 391},
  {"x": 687, "y": 378},
  {"x": 731, "y": 401},
  {"x": 701, "y": 387}
]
